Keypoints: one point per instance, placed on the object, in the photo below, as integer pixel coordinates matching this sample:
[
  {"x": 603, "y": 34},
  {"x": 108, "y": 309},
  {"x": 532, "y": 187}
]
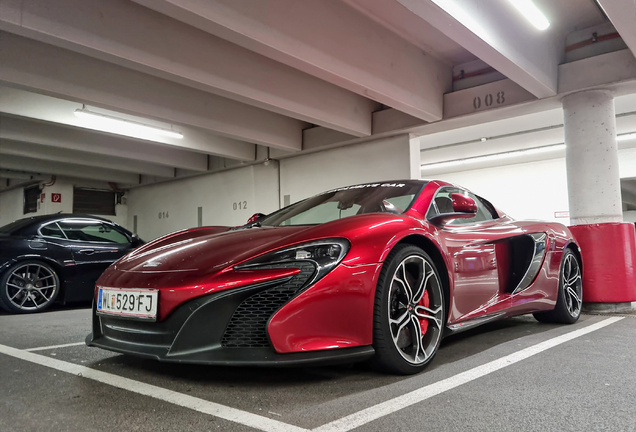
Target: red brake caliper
[{"x": 423, "y": 321}]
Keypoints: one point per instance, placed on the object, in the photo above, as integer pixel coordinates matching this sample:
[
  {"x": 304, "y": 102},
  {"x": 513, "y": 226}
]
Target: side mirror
[
  {"x": 463, "y": 208},
  {"x": 255, "y": 217},
  {"x": 136, "y": 241},
  {"x": 464, "y": 204}
]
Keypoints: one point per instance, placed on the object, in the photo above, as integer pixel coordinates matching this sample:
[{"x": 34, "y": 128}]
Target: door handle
[{"x": 87, "y": 251}]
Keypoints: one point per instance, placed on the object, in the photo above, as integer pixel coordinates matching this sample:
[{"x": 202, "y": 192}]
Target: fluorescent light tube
[
  {"x": 124, "y": 127},
  {"x": 532, "y": 13},
  {"x": 492, "y": 157},
  {"x": 625, "y": 137}
]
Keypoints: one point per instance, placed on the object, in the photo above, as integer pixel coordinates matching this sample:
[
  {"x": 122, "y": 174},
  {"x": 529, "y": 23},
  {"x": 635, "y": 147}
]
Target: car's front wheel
[
  {"x": 409, "y": 311},
  {"x": 28, "y": 287}
]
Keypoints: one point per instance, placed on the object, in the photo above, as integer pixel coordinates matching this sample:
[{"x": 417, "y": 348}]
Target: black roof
[{"x": 22, "y": 225}]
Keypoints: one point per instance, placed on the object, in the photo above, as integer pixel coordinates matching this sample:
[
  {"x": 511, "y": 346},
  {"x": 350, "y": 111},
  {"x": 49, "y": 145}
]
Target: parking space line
[
  {"x": 266, "y": 424},
  {"x": 54, "y": 346},
  {"x": 201, "y": 405},
  {"x": 388, "y": 407}
]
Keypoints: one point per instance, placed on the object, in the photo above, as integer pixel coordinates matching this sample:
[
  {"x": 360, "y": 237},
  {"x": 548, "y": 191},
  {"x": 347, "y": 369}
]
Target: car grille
[{"x": 248, "y": 326}]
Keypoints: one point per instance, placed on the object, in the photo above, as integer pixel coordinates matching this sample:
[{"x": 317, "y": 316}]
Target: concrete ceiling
[{"x": 243, "y": 79}]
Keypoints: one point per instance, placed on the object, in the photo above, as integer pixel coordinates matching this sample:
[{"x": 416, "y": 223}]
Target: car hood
[
  {"x": 200, "y": 261},
  {"x": 208, "y": 250},
  {"x": 203, "y": 250}
]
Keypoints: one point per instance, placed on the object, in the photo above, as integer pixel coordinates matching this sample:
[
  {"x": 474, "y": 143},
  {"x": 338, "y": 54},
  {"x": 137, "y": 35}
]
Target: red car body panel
[{"x": 337, "y": 311}]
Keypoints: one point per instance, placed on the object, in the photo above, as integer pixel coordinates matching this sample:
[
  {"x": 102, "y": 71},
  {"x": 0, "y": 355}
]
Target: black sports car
[{"x": 57, "y": 257}]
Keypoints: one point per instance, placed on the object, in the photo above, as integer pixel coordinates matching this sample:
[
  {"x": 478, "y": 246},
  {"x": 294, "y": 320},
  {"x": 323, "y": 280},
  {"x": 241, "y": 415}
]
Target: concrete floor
[{"x": 586, "y": 383}]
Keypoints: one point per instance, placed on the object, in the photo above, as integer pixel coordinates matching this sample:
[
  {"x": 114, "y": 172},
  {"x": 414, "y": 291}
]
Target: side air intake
[{"x": 532, "y": 259}]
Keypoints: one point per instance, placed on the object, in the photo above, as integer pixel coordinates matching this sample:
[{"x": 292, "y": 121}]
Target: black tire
[
  {"x": 569, "y": 298},
  {"x": 28, "y": 287},
  {"x": 422, "y": 312}
]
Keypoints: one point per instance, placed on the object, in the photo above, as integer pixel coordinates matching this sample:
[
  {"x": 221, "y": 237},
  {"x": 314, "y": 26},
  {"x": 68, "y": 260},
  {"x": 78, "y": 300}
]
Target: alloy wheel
[
  {"x": 572, "y": 285},
  {"x": 31, "y": 286},
  {"x": 415, "y": 309}
]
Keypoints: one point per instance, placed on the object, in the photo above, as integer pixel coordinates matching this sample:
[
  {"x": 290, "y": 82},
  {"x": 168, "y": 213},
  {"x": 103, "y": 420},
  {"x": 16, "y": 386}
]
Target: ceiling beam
[
  {"x": 615, "y": 71},
  {"x": 127, "y": 34},
  {"x": 8, "y": 174},
  {"x": 622, "y": 14},
  {"x": 36, "y": 166},
  {"x": 329, "y": 40},
  {"x": 408, "y": 26},
  {"x": 69, "y": 75},
  {"x": 64, "y": 137},
  {"x": 53, "y": 154},
  {"x": 496, "y": 33},
  {"x": 41, "y": 107}
]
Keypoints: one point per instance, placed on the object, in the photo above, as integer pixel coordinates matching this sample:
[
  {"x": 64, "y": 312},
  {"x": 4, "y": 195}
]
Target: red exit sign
[{"x": 56, "y": 197}]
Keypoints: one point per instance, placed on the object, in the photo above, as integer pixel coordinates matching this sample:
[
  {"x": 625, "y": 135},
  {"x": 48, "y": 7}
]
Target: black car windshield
[{"x": 347, "y": 201}]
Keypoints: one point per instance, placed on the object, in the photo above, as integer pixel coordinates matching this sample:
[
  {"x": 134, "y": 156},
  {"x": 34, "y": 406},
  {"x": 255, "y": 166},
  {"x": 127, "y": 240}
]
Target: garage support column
[
  {"x": 608, "y": 246},
  {"x": 594, "y": 187}
]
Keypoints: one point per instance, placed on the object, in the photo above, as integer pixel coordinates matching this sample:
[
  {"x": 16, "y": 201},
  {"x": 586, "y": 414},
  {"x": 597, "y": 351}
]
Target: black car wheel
[
  {"x": 570, "y": 296},
  {"x": 28, "y": 287},
  {"x": 409, "y": 312}
]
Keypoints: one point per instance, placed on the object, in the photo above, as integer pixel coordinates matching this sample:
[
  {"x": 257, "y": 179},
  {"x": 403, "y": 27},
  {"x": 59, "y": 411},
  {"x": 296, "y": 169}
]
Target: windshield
[{"x": 348, "y": 201}]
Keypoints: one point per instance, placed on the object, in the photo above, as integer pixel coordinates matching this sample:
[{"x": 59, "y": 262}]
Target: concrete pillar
[
  {"x": 608, "y": 246},
  {"x": 594, "y": 187}
]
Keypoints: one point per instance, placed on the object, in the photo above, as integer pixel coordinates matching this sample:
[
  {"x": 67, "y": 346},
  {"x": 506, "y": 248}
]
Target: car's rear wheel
[
  {"x": 570, "y": 296},
  {"x": 409, "y": 312},
  {"x": 28, "y": 287}
]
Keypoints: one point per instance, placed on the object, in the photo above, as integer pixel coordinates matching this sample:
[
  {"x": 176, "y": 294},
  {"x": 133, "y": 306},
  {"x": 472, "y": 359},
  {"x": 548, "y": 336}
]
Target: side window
[
  {"x": 443, "y": 203},
  {"x": 52, "y": 230},
  {"x": 92, "y": 231},
  {"x": 482, "y": 215}
]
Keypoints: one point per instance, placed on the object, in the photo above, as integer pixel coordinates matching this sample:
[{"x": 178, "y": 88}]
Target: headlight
[{"x": 325, "y": 254}]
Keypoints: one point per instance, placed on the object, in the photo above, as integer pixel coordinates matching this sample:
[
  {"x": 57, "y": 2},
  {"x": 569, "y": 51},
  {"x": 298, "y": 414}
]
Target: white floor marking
[
  {"x": 55, "y": 346},
  {"x": 232, "y": 414},
  {"x": 388, "y": 407},
  {"x": 270, "y": 425}
]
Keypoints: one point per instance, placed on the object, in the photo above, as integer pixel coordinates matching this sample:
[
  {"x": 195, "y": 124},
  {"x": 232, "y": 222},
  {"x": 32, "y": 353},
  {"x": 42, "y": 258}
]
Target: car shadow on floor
[
  {"x": 294, "y": 381},
  {"x": 471, "y": 342}
]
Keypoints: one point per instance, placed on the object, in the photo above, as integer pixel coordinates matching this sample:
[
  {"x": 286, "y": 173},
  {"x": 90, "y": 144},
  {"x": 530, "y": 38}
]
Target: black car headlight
[{"x": 324, "y": 254}]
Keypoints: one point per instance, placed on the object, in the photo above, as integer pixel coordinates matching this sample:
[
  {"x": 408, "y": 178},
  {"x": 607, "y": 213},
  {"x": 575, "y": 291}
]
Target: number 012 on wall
[{"x": 239, "y": 205}]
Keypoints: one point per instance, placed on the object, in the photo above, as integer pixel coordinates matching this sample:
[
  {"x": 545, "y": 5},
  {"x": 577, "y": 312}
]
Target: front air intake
[{"x": 248, "y": 326}]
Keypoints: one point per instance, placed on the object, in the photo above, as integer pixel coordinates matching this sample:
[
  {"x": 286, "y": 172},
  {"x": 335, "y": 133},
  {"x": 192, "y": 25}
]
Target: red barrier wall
[{"x": 609, "y": 260}]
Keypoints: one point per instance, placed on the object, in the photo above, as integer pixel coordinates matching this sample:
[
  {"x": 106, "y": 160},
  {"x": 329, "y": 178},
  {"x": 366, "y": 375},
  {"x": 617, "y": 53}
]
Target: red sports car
[{"x": 378, "y": 271}]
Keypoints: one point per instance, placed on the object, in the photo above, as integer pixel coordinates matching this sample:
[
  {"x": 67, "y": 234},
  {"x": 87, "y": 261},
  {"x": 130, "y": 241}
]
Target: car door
[
  {"x": 479, "y": 285},
  {"x": 95, "y": 245}
]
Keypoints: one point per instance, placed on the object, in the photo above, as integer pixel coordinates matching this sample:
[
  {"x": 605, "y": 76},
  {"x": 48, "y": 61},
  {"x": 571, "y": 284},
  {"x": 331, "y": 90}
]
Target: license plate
[{"x": 125, "y": 302}]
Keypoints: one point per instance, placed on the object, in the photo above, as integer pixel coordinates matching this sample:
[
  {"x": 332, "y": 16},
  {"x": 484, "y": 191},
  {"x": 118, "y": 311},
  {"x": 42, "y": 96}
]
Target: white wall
[
  {"x": 395, "y": 158},
  {"x": 12, "y": 201},
  {"x": 532, "y": 190},
  {"x": 629, "y": 216},
  {"x": 171, "y": 206}
]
